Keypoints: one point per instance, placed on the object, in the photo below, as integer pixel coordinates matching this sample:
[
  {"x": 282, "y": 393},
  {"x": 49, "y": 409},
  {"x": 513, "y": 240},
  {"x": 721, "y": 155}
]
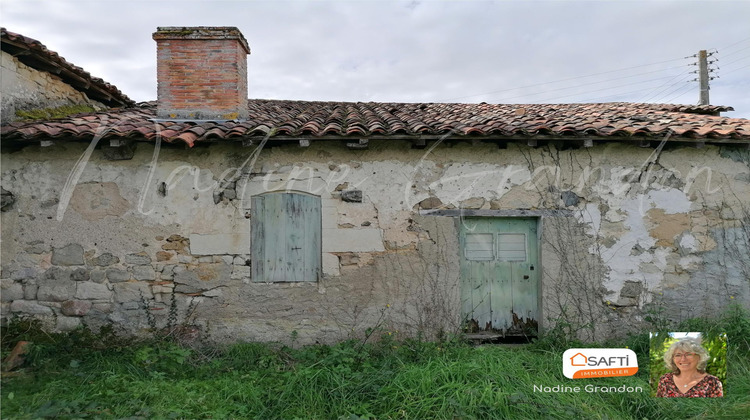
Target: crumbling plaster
[
  {"x": 649, "y": 223},
  {"x": 25, "y": 88}
]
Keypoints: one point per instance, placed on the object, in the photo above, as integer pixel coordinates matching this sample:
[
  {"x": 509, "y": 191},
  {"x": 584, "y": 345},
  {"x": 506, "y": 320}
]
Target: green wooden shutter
[{"x": 286, "y": 237}]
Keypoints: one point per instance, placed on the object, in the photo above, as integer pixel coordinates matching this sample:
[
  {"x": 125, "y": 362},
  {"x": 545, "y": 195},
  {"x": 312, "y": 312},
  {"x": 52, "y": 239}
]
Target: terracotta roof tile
[{"x": 355, "y": 120}]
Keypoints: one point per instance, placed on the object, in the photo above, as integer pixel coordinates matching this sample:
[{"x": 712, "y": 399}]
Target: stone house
[
  {"x": 316, "y": 221},
  {"x": 38, "y": 82}
]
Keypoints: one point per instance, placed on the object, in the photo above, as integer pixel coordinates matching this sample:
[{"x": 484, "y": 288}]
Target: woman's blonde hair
[{"x": 692, "y": 345}]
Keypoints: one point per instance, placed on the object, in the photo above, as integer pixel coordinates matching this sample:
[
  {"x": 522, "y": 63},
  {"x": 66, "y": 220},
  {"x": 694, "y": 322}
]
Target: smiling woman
[{"x": 687, "y": 360}]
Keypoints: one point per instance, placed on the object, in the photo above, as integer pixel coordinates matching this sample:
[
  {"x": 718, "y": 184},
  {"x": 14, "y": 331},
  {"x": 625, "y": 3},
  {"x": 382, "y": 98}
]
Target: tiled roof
[
  {"x": 355, "y": 120},
  {"x": 34, "y": 54}
]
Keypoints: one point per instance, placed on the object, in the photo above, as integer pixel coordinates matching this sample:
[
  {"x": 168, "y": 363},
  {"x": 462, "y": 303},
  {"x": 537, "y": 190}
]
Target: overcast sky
[{"x": 422, "y": 51}]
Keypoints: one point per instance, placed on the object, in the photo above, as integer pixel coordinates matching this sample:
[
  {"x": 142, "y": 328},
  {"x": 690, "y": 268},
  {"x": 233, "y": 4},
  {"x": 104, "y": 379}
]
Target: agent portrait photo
[{"x": 686, "y": 360}]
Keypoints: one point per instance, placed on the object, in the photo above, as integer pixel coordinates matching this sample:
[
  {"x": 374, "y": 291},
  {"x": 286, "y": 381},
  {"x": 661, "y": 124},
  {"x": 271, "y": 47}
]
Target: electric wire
[
  {"x": 735, "y": 52},
  {"x": 589, "y": 91},
  {"x": 662, "y": 97},
  {"x": 732, "y": 45},
  {"x": 617, "y": 95},
  {"x": 664, "y": 87},
  {"x": 740, "y": 68},
  {"x": 679, "y": 93},
  {"x": 565, "y": 80},
  {"x": 582, "y": 86},
  {"x": 739, "y": 59},
  {"x": 669, "y": 90}
]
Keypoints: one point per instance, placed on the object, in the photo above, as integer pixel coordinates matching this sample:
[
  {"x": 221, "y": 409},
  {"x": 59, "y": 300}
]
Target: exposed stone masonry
[
  {"x": 25, "y": 88},
  {"x": 103, "y": 289}
]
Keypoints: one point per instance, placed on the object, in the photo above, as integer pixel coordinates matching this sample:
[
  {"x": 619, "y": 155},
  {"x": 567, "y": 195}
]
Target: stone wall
[
  {"x": 625, "y": 232},
  {"x": 24, "y": 88}
]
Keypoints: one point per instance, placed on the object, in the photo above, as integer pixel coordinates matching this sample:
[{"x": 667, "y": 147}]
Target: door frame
[{"x": 539, "y": 215}]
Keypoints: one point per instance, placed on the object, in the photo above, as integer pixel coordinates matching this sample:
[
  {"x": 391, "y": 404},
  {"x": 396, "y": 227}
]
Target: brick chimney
[{"x": 201, "y": 73}]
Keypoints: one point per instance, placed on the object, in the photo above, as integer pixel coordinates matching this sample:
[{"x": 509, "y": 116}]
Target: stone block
[
  {"x": 176, "y": 243},
  {"x": 329, "y": 216},
  {"x": 57, "y": 274},
  {"x": 67, "y": 323},
  {"x": 164, "y": 255},
  {"x": 570, "y": 198},
  {"x": 36, "y": 247},
  {"x": 351, "y": 196},
  {"x": 353, "y": 240},
  {"x": 24, "y": 273},
  {"x": 240, "y": 272},
  {"x": 30, "y": 307},
  {"x": 144, "y": 272},
  {"x": 203, "y": 277},
  {"x": 631, "y": 289},
  {"x": 472, "y": 203},
  {"x": 5, "y": 270},
  {"x": 56, "y": 291},
  {"x": 349, "y": 259},
  {"x": 97, "y": 276},
  {"x": 157, "y": 288},
  {"x": 239, "y": 261},
  {"x": 29, "y": 291},
  {"x": 105, "y": 260},
  {"x": 10, "y": 290},
  {"x": 227, "y": 243},
  {"x": 104, "y": 308},
  {"x": 330, "y": 265},
  {"x": 115, "y": 275},
  {"x": 140, "y": 258},
  {"x": 76, "y": 307},
  {"x": 131, "y": 292},
  {"x": 430, "y": 203},
  {"x": 80, "y": 274},
  {"x": 71, "y": 254},
  {"x": 94, "y": 291}
]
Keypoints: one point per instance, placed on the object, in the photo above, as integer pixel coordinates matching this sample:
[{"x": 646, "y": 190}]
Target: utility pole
[{"x": 703, "y": 76}]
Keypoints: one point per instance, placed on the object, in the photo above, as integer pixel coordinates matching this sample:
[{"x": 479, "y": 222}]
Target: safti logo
[{"x": 599, "y": 363}]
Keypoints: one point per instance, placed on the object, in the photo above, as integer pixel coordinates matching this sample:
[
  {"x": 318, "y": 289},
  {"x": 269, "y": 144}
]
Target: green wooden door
[{"x": 499, "y": 274}]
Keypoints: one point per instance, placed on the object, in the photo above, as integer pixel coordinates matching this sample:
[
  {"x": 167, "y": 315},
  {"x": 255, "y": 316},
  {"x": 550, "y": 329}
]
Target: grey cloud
[{"x": 410, "y": 51}]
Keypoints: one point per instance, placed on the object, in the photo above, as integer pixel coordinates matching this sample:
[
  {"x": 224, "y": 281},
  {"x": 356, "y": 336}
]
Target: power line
[
  {"x": 599, "y": 98},
  {"x": 735, "y": 52},
  {"x": 739, "y": 59},
  {"x": 562, "y": 80},
  {"x": 679, "y": 95},
  {"x": 595, "y": 83},
  {"x": 589, "y": 91},
  {"x": 737, "y": 69},
  {"x": 661, "y": 89},
  {"x": 732, "y": 45},
  {"x": 669, "y": 91}
]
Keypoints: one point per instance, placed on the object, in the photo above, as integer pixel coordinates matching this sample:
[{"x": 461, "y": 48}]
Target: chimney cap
[{"x": 201, "y": 32}]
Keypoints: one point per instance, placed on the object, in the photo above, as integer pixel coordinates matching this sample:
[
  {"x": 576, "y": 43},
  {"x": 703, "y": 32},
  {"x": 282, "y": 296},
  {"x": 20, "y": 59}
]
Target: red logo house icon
[{"x": 578, "y": 360}]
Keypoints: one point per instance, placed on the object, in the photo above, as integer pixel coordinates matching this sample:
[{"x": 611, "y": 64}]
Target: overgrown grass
[{"x": 84, "y": 375}]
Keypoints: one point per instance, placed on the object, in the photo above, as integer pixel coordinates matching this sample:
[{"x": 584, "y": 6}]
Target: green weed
[{"x": 86, "y": 375}]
